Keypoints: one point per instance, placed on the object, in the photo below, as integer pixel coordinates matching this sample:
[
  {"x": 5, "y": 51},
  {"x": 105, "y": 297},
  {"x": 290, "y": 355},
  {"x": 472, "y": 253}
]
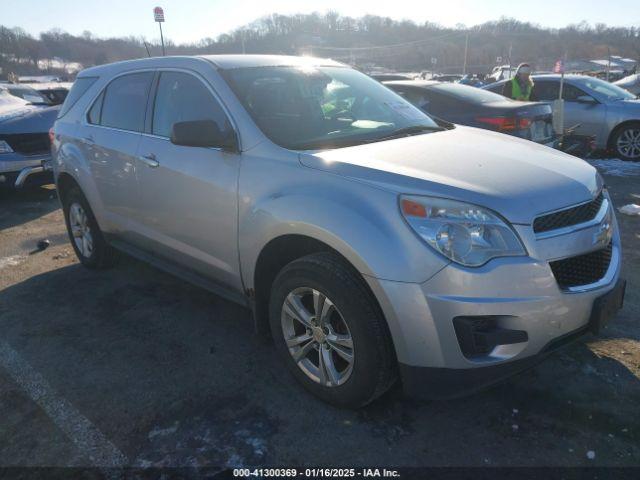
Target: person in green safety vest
[{"x": 520, "y": 87}]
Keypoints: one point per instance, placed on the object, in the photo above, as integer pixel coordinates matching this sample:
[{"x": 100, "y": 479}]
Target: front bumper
[
  {"x": 16, "y": 169},
  {"x": 521, "y": 293}
]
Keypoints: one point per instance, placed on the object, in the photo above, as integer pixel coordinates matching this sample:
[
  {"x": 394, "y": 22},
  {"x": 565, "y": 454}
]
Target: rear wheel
[
  {"x": 84, "y": 234},
  {"x": 330, "y": 332},
  {"x": 626, "y": 142}
]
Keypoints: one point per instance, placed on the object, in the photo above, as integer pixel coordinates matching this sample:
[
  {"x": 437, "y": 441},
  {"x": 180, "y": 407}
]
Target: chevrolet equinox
[{"x": 373, "y": 242}]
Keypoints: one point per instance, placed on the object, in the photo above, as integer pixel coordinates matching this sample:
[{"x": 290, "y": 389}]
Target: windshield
[
  {"x": 609, "y": 91},
  {"x": 310, "y": 108},
  {"x": 31, "y": 95}
]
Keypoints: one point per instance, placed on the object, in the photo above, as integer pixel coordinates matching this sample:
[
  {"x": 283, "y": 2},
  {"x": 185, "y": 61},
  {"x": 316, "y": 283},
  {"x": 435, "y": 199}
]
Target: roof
[
  {"x": 226, "y": 62},
  {"x": 223, "y": 62}
]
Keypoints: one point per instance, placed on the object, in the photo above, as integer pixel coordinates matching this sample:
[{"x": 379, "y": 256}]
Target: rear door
[
  {"x": 110, "y": 136},
  {"x": 188, "y": 210}
]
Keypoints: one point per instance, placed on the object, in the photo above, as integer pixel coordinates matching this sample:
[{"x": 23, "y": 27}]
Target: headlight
[
  {"x": 5, "y": 147},
  {"x": 467, "y": 234}
]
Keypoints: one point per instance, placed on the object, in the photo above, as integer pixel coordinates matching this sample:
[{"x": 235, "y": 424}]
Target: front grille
[
  {"x": 570, "y": 216},
  {"x": 28, "y": 143},
  {"x": 583, "y": 269}
]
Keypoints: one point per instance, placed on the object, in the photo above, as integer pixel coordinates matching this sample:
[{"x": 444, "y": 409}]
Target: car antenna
[{"x": 147, "y": 47}]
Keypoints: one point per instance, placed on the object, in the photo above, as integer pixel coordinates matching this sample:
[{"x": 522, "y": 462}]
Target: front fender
[{"x": 359, "y": 221}]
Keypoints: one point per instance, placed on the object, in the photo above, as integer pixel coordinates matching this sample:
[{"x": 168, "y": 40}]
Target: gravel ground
[{"x": 134, "y": 367}]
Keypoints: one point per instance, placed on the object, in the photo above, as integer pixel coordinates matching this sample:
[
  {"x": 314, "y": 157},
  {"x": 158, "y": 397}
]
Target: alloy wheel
[
  {"x": 80, "y": 229},
  {"x": 317, "y": 337},
  {"x": 628, "y": 143}
]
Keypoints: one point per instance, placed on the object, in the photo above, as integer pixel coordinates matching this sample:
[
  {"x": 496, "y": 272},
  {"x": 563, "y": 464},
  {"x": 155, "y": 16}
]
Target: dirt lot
[{"x": 134, "y": 367}]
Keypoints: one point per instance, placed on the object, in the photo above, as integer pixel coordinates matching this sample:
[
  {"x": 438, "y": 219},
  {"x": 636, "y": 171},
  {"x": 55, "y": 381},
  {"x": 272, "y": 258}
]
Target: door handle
[{"x": 150, "y": 160}]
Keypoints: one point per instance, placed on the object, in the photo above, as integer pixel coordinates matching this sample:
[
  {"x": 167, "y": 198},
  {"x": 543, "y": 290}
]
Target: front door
[{"x": 188, "y": 208}]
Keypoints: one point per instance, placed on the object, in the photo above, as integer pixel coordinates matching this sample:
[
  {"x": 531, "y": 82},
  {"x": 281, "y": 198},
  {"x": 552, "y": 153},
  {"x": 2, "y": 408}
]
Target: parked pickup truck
[{"x": 373, "y": 244}]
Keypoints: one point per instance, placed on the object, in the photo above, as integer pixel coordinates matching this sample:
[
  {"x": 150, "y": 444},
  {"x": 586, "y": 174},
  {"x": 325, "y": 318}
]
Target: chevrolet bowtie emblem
[{"x": 604, "y": 232}]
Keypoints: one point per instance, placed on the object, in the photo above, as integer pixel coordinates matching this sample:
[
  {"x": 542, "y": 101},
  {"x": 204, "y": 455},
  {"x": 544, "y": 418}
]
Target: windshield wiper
[
  {"x": 408, "y": 131},
  {"x": 350, "y": 142}
]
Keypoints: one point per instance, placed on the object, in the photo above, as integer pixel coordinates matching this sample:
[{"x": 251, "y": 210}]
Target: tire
[
  {"x": 626, "y": 142},
  {"x": 350, "y": 312},
  {"x": 88, "y": 242}
]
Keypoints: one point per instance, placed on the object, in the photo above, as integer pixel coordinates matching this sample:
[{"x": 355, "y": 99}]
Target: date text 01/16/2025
[{"x": 317, "y": 472}]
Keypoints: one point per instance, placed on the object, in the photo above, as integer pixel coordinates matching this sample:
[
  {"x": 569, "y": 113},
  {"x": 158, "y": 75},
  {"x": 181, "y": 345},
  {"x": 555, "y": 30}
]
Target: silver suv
[{"x": 373, "y": 242}]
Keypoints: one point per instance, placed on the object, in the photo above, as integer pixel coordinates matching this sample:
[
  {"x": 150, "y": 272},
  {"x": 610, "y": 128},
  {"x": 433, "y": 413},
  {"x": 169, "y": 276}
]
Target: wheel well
[
  {"x": 65, "y": 183},
  {"x": 274, "y": 257},
  {"x": 617, "y": 129}
]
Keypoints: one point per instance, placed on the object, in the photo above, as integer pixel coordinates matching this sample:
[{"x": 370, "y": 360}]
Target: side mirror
[
  {"x": 586, "y": 99},
  {"x": 203, "y": 133}
]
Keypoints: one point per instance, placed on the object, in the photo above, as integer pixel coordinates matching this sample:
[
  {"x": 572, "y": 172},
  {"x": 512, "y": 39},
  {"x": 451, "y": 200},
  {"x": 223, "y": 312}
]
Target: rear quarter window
[{"x": 79, "y": 88}]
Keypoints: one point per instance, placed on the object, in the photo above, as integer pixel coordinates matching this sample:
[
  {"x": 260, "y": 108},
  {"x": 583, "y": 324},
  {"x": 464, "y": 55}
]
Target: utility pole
[
  {"x": 608, "y": 62},
  {"x": 510, "y": 50},
  {"x": 243, "y": 47},
  {"x": 466, "y": 51}
]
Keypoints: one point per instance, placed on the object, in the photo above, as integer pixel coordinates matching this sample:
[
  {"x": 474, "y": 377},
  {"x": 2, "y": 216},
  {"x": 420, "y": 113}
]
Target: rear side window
[
  {"x": 80, "y": 86},
  {"x": 125, "y": 102},
  {"x": 95, "y": 113},
  {"x": 180, "y": 98}
]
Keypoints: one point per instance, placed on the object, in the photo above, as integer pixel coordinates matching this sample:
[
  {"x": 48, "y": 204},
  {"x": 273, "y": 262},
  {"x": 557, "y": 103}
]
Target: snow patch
[
  {"x": 163, "y": 432},
  {"x": 617, "y": 167},
  {"x": 631, "y": 209},
  {"x": 11, "y": 261}
]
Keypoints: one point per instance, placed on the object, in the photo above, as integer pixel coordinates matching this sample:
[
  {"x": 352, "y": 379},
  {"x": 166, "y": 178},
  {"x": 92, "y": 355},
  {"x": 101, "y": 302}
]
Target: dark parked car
[
  {"x": 385, "y": 77},
  {"x": 471, "y": 106},
  {"x": 24, "y": 141}
]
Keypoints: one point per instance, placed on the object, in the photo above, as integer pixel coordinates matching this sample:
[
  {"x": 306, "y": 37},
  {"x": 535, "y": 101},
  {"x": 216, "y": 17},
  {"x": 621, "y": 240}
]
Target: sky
[{"x": 192, "y": 20}]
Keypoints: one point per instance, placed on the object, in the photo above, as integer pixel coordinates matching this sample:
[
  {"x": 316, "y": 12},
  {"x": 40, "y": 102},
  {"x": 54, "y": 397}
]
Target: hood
[
  {"x": 635, "y": 103},
  {"x": 33, "y": 120},
  {"x": 517, "y": 178},
  {"x": 11, "y": 107}
]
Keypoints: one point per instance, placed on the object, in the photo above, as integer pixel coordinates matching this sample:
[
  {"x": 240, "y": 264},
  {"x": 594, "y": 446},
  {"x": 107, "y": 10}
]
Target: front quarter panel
[{"x": 279, "y": 196}]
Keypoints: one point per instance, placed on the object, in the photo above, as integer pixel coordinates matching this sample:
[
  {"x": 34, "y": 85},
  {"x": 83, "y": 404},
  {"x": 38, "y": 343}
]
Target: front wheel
[
  {"x": 626, "y": 142},
  {"x": 330, "y": 331}
]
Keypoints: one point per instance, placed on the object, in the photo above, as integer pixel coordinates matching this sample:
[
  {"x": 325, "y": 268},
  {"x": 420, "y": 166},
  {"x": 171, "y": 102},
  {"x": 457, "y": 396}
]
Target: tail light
[
  {"x": 506, "y": 124},
  {"x": 51, "y": 136}
]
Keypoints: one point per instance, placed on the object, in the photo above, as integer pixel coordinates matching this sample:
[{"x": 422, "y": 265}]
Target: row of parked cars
[
  {"x": 605, "y": 112},
  {"x": 27, "y": 113}
]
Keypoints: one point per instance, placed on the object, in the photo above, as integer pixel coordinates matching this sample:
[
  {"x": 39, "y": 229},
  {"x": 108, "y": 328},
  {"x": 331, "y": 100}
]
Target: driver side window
[
  {"x": 571, "y": 93},
  {"x": 181, "y": 97}
]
